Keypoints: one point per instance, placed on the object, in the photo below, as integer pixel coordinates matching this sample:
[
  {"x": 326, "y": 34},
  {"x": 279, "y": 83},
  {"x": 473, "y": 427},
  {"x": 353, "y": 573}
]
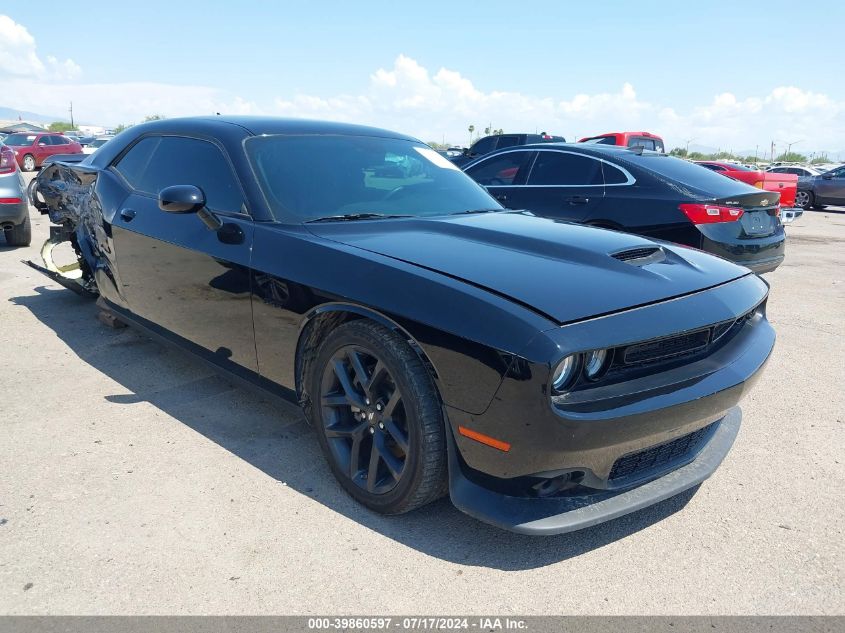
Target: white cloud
[
  {"x": 410, "y": 98},
  {"x": 18, "y": 55}
]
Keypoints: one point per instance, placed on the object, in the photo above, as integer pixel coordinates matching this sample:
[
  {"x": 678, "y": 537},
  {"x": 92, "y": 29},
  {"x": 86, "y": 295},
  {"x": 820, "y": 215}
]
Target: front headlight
[
  {"x": 595, "y": 364},
  {"x": 564, "y": 373}
]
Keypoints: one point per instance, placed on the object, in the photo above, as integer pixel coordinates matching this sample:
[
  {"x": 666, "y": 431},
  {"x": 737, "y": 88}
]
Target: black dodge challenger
[{"x": 548, "y": 376}]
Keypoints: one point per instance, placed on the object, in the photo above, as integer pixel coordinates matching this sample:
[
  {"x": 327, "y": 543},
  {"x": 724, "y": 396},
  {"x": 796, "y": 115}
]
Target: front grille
[
  {"x": 668, "y": 347},
  {"x": 661, "y": 455}
]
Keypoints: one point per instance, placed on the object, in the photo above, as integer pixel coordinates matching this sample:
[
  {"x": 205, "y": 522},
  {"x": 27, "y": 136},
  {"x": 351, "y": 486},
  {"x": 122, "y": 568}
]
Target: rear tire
[
  {"x": 21, "y": 234},
  {"x": 804, "y": 199},
  {"x": 28, "y": 163},
  {"x": 378, "y": 418}
]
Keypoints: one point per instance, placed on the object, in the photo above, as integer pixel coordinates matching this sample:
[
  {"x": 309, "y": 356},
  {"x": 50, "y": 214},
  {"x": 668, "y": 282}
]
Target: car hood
[{"x": 564, "y": 271}]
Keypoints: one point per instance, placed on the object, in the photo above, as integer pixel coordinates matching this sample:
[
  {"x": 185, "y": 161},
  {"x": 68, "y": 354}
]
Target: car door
[
  {"x": 561, "y": 184},
  {"x": 830, "y": 187},
  {"x": 175, "y": 272},
  {"x": 59, "y": 145},
  {"x": 42, "y": 148},
  {"x": 502, "y": 173}
]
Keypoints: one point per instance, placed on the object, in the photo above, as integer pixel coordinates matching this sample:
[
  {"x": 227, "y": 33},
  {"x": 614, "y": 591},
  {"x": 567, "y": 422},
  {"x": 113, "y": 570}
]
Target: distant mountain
[{"x": 10, "y": 114}]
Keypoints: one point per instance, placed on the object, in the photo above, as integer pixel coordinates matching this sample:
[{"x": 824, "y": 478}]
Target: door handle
[
  {"x": 127, "y": 214},
  {"x": 576, "y": 200}
]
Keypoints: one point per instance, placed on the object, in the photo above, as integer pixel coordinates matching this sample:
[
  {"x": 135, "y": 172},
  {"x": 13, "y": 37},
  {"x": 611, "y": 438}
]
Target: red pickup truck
[
  {"x": 627, "y": 139},
  {"x": 784, "y": 184}
]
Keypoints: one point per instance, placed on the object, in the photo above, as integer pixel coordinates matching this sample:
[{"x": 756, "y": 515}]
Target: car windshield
[
  {"x": 308, "y": 177},
  {"x": 20, "y": 139},
  {"x": 99, "y": 142}
]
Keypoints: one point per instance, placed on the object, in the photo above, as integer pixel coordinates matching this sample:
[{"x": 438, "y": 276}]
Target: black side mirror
[
  {"x": 466, "y": 152},
  {"x": 181, "y": 199},
  {"x": 827, "y": 176},
  {"x": 188, "y": 199}
]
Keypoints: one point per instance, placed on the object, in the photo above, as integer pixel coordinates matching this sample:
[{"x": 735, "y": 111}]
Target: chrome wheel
[
  {"x": 803, "y": 199},
  {"x": 28, "y": 163}
]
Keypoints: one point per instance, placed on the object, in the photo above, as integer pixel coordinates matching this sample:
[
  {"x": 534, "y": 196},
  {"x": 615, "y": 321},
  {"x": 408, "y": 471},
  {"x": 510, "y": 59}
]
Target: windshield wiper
[{"x": 346, "y": 217}]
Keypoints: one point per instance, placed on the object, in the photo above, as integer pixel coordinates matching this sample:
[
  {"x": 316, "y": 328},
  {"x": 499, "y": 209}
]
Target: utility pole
[
  {"x": 689, "y": 140},
  {"x": 72, "y": 126}
]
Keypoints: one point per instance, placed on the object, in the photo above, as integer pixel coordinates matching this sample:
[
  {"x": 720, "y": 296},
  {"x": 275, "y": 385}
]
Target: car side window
[
  {"x": 484, "y": 146},
  {"x": 133, "y": 163},
  {"x": 613, "y": 175},
  {"x": 839, "y": 173},
  {"x": 501, "y": 170},
  {"x": 158, "y": 162},
  {"x": 507, "y": 141},
  {"x": 564, "y": 168},
  {"x": 44, "y": 141}
]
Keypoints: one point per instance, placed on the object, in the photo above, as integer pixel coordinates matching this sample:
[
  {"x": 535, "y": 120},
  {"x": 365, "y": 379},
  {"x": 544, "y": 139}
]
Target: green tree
[
  {"x": 471, "y": 129},
  {"x": 60, "y": 126},
  {"x": 678, "y": 151},
  {"x": 120, "y": 128},
  {"x": 792, "y": 157}
]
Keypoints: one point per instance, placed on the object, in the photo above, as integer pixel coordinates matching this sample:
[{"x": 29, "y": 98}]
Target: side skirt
[{"x": 231, "y": 371}]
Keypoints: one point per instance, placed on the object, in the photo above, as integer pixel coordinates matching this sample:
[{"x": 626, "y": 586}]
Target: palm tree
[{"x": 471, "y": 130}]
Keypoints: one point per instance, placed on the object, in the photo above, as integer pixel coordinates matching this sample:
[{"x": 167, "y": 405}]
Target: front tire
[
  {"x": 28, "y": 163},
  {"x": 378, "y": 418},
  {"x": 21, "y": 234}
]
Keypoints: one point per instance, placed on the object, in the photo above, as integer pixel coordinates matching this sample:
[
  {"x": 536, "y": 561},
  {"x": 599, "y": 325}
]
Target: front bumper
[
  {"x": 684, "y": 416},
  {"x": 556, "y": 515}
]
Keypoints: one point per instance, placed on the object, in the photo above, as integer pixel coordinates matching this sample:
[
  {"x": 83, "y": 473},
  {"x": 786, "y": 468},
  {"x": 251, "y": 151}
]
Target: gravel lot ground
[{"x": 135, "y": 481}]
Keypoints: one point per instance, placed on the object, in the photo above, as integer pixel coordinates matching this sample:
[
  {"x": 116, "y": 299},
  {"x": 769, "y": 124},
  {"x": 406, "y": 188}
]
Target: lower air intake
[{"x": 661, "y": 455}]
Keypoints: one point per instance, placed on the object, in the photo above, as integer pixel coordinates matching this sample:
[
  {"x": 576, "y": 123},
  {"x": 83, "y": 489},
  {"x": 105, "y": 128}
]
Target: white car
[
  {"x": 798, "y": 170},
  {"x": 96, "y": 144}
]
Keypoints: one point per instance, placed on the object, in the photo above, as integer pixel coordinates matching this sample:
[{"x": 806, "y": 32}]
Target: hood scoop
[{"x": 640, "y": 256}]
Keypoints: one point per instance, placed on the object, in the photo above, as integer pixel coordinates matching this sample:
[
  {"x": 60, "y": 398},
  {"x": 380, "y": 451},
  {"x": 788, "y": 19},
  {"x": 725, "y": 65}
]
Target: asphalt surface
[{"x": 133, "y": 480}]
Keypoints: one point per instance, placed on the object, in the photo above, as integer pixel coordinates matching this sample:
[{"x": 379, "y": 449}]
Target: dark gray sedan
[{"x": 817, "y": 191}]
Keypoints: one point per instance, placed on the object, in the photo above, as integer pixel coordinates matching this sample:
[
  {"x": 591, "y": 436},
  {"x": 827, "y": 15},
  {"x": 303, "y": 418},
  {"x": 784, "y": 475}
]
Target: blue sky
[{"x": 661, "y": 65}]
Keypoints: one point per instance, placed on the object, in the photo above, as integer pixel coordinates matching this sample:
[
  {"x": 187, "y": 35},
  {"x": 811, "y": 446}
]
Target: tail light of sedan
[
  {"x": 710, "y": 213},
  {"x": 7, "y": 160}
]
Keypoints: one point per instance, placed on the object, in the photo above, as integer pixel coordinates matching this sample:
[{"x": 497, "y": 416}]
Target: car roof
[
  {"x": 618, "y": 150},
  {"x": 260, "y": 125}
]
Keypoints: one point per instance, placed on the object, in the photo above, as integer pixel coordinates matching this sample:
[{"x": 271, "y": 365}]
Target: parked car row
[{"x": 547, "y": 375}]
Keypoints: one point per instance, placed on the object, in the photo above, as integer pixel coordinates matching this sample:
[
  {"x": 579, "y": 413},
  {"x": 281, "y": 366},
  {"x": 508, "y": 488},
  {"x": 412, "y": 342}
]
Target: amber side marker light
[{"x": 484, "y": 439}]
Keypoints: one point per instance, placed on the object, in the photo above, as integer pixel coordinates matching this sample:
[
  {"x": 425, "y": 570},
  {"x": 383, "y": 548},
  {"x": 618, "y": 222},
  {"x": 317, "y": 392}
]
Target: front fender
[{"x": 467, "y": 336}]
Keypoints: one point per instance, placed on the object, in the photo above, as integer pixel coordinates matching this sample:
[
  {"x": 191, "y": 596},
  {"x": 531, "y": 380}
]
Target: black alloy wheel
[
  {"x": 364, "y": 419},
  {"x": 378, "y": 418}
]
